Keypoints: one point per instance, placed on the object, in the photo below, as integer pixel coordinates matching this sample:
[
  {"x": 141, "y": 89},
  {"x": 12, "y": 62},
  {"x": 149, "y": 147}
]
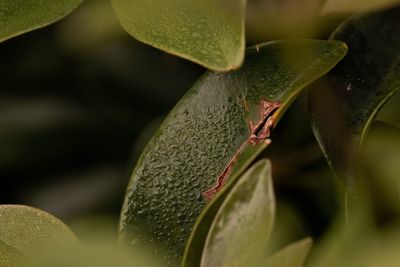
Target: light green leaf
[
  {"x": 208, "y": 32},
  {"x": 10, "y": 256},
  {"x": 21, "y": 16},
  {"x": 346, "y": 101},
  {"x": 293, "y": 255},
  {"x": 28, "y": 229},
  {"x": 206, "y": 130},
  {"x": 241, "y": 228},
  {"x": 101, "y": 254},
  {"x": 381, "y": 157}
]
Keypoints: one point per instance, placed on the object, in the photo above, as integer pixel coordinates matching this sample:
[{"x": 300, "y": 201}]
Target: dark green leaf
[
  {"x": 205, "y": 130},
  {"x": 20, "y": 16},
  {"x": 28, "y": 229},
  {"x": 240, "y": 230},
  {"x": 346, "y": 101},
  {"x": 293, "y": 255},
  {"x": 207, "y": 32}
]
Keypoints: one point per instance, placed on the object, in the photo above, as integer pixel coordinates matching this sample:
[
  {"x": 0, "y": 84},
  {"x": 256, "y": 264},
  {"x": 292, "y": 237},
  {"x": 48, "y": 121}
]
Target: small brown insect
[{"x": 259, "y": 133}]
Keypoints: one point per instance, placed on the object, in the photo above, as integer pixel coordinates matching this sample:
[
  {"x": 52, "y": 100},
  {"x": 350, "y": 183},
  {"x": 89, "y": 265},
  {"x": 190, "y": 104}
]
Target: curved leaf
[
  {"x": 241, "y": 227},
  {"x": 21, "y": 16},
  {"x": 28, "y": 229},
  {"x": 207, "y": 32},
  {"x": 206, "y": 130},
  {"x": 292, "y": 255},
  {"x": 351, "y": 94},
  {"x": 195, "y": 244}
]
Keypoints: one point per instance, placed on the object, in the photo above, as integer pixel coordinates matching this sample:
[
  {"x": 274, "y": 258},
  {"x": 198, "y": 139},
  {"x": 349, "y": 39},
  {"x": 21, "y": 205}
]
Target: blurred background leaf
[
  {"x": 348, "y": 6},
  {"x": 99, "y": 248},
  {"x": 292, "y": 255},
  {"x": 29, "y": 230}
]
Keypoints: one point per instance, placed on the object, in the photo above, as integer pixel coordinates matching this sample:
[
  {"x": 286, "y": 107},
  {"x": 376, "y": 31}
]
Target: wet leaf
[
  {"x": 205, "y": 130},
  {"x": 10, "y": 256},
  {"x": 345, "y": 102},
  {"x": 293, "y": 255},
  {"x": 21, "y": 16},
  {"x": 241, "y": 228},
  {"x": 29, "y": 230},
  {"x": 207, "y": 32}
]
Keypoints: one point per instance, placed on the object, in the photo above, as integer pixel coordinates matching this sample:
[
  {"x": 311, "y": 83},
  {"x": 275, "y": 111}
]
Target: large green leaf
[
  {"x": 293, "y": 255},
  {"x": 207, "y": 32},
  {"x": 29, "y": 230},
  {"x": 20, "y": 16},
  {"x": 240, "y": 230},
  {"x": 345, "y": 102},
  {"x": 204, "y": 132}
]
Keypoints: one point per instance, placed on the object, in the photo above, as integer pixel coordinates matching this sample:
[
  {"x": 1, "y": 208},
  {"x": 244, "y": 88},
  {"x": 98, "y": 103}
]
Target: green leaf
[
  {"x": 345, "y": 102},
  {"x": 28, "y": 229},
  {"x": 293, "y": 255},
  {"x": 93, "y": 255},
  {"x": 240, "y": 230},
  {"x": 381, "y": 157},
  {"x": 21, "y": 16},
  {"x": 10, "y": 256},
  {"x": 207, "y": 32},
  {"x": 346, "y": 6},
  {"x": 195, "y": 244},
  {"x": 204, "y": 132}
]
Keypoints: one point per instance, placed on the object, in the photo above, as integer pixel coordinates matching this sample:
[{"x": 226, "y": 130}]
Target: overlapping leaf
[
  {"x": 345, "y": 102},
  {"x": 236, "y": 234},
  {"x": 244, "y": 220},
  {"x": 20, "y": 16},
  {"x": 205, "y": 130}
]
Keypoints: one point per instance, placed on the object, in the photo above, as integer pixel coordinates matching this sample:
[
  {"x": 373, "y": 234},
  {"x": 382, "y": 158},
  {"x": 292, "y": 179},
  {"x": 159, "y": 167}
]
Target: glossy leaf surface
[
  {"x": 345, "y": 102},
  {"x": 20, "y": 16},
  {"x": 28, "y": 229},
  {"x": 204, "y": 132},
  {"x": 242, "y": 225},
  {"x": 207, "y": 32},
  {"x": 292, "y": 255}
]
